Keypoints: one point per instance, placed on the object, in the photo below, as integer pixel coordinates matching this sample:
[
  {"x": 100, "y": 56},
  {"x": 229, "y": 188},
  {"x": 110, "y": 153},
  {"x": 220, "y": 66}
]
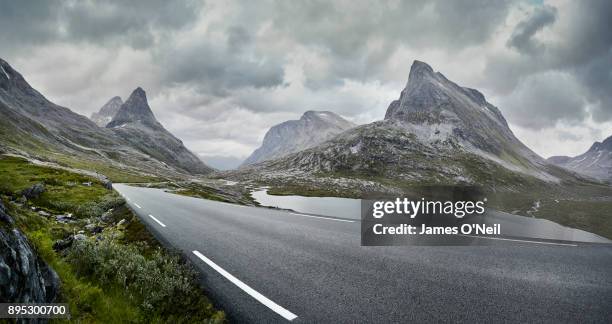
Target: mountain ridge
[
  {"x": 435, "y": 132},
  {"x": 291, "y": 136},
  {"x": 34, "y": 126},
  {"x": 596, "y": 162}
]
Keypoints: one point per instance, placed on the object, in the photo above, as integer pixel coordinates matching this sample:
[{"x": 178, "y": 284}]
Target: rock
[
  {"x": 64, "y": 219},
  {"x": 24, "y": 276},
  {"x": 80, "y": 237},
  {"x": 81, "y": 232},
  {"x": 87, "y": 184},
  {"x": 60, "y": 245},
  {"x": 107, "y": 215},
  {"x": 107, "y": 184},
  {"x": 121, "y": 222},
  {"x": 97, "y": 229},
  {"x": 89, "y": 227},
  {"x": 4, "y": 217},
  {"x": 44, "y": 213},
  {"x": 34, "y": 191}
]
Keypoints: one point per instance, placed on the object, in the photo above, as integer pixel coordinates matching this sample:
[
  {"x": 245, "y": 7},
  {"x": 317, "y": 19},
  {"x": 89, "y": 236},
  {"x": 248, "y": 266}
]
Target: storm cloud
[{"x": 219, "y": 73}]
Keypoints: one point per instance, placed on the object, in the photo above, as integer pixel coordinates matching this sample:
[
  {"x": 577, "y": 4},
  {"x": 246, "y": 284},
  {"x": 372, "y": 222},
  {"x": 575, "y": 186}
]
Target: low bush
[{"x": 159, "y": 283}]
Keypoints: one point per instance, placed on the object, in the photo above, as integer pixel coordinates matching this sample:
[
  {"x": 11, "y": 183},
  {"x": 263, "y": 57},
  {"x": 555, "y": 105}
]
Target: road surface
[{"x": 266, "y": 266}]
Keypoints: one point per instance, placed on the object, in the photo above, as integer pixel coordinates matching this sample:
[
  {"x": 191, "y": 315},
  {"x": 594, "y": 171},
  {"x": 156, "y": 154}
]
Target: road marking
[
  {"x": 157, "y": 220},
  {"x": 252, "y": 292},
  {"x": 517, "y": 240},
  {"x": 137, "y": 205},
  {"x": 328, "y": 218}
]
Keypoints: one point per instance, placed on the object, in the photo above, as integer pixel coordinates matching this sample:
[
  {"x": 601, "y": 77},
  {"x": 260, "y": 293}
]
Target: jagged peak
[
  {"x": 420, "y": 67},
  {"x": 135, "y": 108},
  {"x": 605, "y": 145}
]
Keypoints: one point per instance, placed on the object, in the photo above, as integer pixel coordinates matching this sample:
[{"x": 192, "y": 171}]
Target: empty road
[{"x": 264, "y": 265}]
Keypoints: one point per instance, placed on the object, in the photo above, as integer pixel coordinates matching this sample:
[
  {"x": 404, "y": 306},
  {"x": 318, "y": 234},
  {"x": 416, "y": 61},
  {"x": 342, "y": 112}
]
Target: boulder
[
  {"x": 60, "y": 245},
  {"x": 4, "y": 217},
  {"x": 24, "y": 276},
  {"x": 34, "y": 191}
]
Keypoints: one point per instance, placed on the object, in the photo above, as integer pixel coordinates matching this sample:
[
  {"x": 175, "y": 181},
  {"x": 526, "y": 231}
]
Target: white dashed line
[
  {"x": 252, "y": 292},
  {"x": 137, "y": 205},
  {"x": 321, "y": 217},
  {"x": 157, "y": 220}
]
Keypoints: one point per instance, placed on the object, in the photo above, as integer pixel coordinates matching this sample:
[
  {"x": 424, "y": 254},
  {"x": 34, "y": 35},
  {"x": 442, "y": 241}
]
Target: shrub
[{"x": 149, "y": 281}]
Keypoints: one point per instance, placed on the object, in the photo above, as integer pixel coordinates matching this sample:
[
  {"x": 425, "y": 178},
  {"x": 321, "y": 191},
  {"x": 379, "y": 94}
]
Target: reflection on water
[{"x": 328, "y": 206}]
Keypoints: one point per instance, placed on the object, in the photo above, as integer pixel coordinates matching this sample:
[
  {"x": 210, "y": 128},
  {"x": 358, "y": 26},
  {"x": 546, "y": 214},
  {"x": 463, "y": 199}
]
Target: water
[{"x": 328, "y": 206}]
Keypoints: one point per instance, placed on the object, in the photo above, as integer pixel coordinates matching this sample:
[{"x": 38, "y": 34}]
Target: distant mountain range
[
  {"x": 35, "y": 127},
  {"x": 436, "y": 132},
  {"x": 314, "y": 127},
  {"x": 596, "y": 162}
]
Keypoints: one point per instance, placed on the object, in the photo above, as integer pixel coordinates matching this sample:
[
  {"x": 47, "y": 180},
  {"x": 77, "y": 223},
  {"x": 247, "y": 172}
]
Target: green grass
[{"x": 162, "y": 287}]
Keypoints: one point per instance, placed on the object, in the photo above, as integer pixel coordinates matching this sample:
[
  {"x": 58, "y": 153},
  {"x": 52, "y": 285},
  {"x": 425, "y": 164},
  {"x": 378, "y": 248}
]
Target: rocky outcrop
[
  {"x": 595, "y": 163},
  {"x": 34, "y": 191},
  {"x": 24, "y": 276},
  {"x": 314, "y": 127},
  {"x": 107, "y": 112}
]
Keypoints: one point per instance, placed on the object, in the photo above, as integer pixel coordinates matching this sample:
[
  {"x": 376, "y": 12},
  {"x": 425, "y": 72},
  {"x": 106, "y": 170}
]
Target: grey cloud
[
  {"x": 522, "y": 36},
  {"x": 124, "y": 22},
  {"x": 218, "y": 70},
  {"x": 545, "y": 99}
]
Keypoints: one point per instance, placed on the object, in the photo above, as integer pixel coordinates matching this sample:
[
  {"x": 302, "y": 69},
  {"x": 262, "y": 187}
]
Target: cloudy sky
[{"x": 218, "y": 74}]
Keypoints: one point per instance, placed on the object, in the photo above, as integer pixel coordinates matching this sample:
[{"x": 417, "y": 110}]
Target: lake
[{"x": 328, "y": 206}]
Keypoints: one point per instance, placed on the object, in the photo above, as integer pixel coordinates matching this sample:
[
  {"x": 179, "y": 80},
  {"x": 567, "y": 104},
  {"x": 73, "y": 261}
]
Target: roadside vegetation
[{"x": 111, "y": 268}]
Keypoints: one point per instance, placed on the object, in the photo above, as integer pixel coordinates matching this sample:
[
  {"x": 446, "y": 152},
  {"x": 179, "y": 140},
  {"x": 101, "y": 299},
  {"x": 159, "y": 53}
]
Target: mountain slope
[
  {"x": 314, "y": 127},
  {"x": 136, "y": 124},
  {"x": 33, "y": 126},
  {"x": 596, "y": 162},
  {"x": 437, "y": 132},
  {"x": 107, "y": 112}
]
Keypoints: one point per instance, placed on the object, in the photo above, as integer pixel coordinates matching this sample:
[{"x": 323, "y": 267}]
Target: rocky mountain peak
[
  {"x": 419, "y": 69},
  {"x": 596, "y": 162},
  {"x": 605, "y": 145},
  {"x": 135, "y": 109},
  {"x": 291, "y": 136},
  {"x": 107, "y": 112}
]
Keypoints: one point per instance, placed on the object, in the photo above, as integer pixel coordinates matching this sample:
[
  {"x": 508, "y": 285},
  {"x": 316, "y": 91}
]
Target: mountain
[
  {"x": 314, "y": 127},
  {"x": 107, "y": 112},
  {"x": 596, "y": 162},
  {"x": 135, "y": 123},
  {"x": 436, "y": 132},
  {"x": 35, "y": 127}
]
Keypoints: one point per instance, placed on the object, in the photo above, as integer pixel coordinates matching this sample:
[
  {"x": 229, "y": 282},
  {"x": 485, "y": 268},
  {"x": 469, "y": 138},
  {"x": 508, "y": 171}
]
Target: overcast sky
[{"x": 218, "y": 74}]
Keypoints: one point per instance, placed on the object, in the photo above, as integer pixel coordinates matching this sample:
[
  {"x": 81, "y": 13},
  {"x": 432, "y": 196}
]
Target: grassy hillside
[{"x": 114, "y": 273}]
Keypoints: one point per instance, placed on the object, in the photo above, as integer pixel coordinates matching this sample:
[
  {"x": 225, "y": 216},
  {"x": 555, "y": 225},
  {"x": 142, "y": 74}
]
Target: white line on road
[
  {"x": 328, "y": 218},
  {"x": 259, "y": 297},
  {"x": 524, "y": 241},
  {"x": 137, "y": 205},
  {"x": 157, "y": 220}
]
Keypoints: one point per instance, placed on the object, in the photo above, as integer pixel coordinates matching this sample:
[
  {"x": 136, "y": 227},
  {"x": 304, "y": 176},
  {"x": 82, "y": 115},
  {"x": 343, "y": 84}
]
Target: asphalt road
[{"x": 264, "y": 266}]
